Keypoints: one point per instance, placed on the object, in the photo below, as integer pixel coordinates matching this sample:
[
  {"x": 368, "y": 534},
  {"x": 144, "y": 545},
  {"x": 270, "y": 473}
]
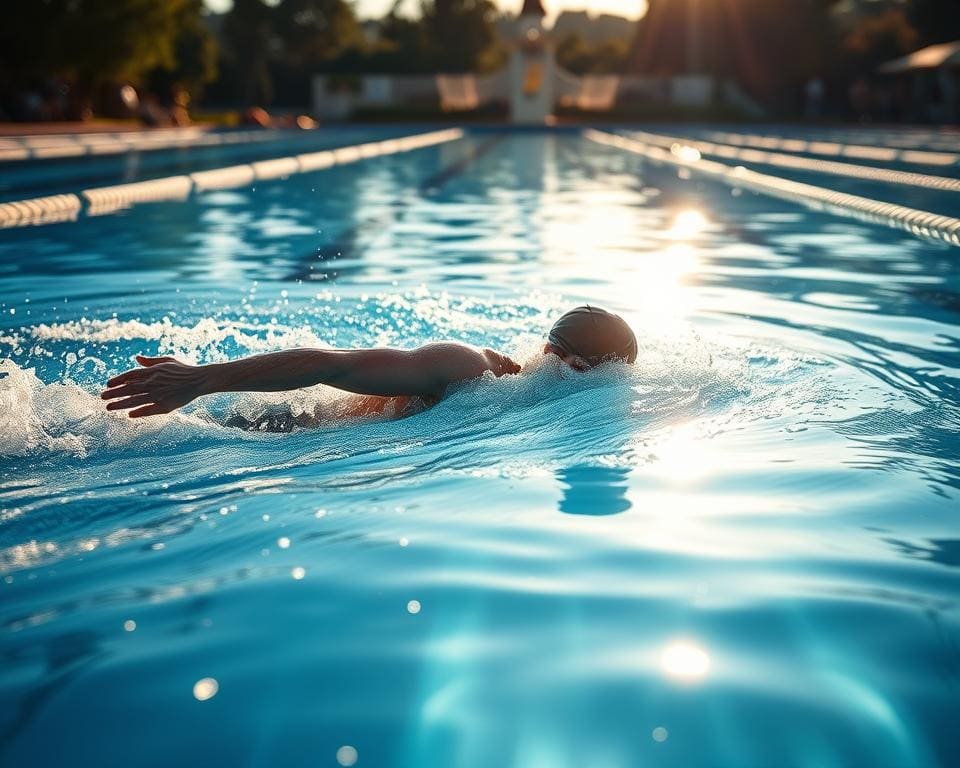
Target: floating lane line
[
  {"x": 833, "y": 148},
  {"x": 40, "y": 210},
  {"x": 921, "y": 223},
  {"x": 796, "y": 163},
  {"x": 109, "y": 199},
  {"x": 102, "y": 200},
  {"x": 16, "y": 148}
]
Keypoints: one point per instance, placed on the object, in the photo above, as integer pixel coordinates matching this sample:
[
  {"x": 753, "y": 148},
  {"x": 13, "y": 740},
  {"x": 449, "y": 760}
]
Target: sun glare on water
[
  {"x": 687, "y": 224},
  {"x": 684, "y": 660}
]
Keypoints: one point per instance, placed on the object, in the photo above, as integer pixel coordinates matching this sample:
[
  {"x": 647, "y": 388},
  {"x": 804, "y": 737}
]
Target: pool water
[{"x": 742, "y": 551}]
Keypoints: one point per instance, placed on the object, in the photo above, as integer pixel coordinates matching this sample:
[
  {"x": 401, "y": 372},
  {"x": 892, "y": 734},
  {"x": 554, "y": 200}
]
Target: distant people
[
  {"x": 180, "y": 101},
  {"x": 256, "y": 116},
  {"x": 813, "y": 96},
  {"x": 152, "y": 114},
  {"x": 860, "y": 100}
]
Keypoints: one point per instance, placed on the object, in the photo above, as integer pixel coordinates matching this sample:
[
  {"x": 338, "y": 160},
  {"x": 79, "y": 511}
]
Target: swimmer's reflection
[{"x": 589, "y": 490}]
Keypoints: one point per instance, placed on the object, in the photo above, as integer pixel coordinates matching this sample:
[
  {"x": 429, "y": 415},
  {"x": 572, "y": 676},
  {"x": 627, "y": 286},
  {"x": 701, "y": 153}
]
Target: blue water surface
[{"x": 741, "y": 551}]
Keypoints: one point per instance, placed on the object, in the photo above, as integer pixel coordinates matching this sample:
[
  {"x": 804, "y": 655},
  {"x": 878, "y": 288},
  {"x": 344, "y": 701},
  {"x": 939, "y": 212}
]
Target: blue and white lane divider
[
  {"x": 921, "y": 223},
  {"x": 103, "y": 200},
  {"x": 56, "y": 146},
  {"x": 797, "y": 163},
  {"x": 839, "y": 146}
]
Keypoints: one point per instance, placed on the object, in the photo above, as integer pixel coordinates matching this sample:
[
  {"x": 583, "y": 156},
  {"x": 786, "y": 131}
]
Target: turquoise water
[{"x": 743, "y": 551}]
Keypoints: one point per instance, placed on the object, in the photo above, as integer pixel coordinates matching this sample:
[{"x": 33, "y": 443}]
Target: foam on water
[{"x": 675, "y": 378}]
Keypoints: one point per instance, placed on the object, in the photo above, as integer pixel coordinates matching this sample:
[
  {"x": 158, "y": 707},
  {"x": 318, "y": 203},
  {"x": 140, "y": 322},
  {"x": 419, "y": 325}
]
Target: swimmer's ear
[{"x": 148, "y": 361}]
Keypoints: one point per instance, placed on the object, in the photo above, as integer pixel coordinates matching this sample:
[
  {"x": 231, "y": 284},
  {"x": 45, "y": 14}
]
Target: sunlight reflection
[
  {"x": 685, "y": 455},
  {"x": 685, "y": 152},
  {"x": 684, "y": 660},
  {"x": 657, "y": 281},
  {"x": 687, "y": 224}
]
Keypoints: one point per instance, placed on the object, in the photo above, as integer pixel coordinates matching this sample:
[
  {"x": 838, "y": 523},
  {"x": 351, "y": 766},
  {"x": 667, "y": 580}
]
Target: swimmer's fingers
[
  {"x": 129, "y": 402},
  {"x": 136, "y": 373},
  {"x": 124, "y": 390},
  {"x": 150, "y": 410},
  {"x": 148, "y": 361},
  {"x": 131, "y": 375}
]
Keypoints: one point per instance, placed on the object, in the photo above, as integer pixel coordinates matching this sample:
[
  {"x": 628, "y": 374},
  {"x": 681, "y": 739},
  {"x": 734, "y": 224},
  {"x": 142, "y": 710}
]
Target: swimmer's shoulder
[{"x": 499, "y": 363}]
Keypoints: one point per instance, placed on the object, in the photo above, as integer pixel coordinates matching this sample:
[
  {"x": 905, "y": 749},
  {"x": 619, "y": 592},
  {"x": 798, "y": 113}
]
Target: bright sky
[{"x": 632, "y": 9}]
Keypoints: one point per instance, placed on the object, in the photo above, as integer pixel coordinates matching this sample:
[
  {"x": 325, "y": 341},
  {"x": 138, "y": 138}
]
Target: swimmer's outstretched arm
[{"x": 164, "y": 384}]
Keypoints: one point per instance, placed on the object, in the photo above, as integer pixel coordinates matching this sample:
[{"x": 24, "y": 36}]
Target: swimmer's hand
[{"x": 162, "y": 385}]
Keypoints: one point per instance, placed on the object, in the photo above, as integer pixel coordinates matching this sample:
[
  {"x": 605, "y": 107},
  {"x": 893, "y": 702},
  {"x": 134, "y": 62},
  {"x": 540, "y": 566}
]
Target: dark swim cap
[{"x": 595, "y": 335}]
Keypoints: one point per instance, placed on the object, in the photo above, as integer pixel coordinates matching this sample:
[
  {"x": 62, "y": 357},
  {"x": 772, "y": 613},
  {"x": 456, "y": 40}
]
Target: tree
[
  {"x": 458, "y": 33},
  {"x": 770, "y": 47},
  {"x": 92, "y": 42},
  {"x": 605, "y": 57},
  {"x": 250, "y": 39},
  {"x": 877, "y": 38},
  {"x": 195, "y": 55},
  {"x": 88, "y": 44},
  {"x": 936, "y": 21},
  {"x": 313, "y": 31}
]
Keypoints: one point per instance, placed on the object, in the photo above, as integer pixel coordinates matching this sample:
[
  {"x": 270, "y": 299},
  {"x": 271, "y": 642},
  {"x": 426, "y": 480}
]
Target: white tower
[{"x": 531, "y": 68}]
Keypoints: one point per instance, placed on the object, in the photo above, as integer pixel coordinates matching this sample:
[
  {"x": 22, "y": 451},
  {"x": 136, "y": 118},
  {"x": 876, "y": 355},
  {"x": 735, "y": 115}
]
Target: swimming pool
[{"x": 742, "y": 552}]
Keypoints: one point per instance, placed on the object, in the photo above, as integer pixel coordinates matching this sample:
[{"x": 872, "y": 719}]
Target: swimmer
[{"x": 382, "y": 381}]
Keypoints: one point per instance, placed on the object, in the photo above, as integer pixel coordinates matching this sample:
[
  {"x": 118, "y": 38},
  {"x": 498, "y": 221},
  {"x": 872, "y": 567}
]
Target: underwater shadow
[{"x": 591, "y": 490}]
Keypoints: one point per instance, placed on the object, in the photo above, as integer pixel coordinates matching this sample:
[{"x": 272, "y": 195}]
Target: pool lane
[
  {"x": 101, "y": 200},
  {"x": 60, "y": 175},
  {"x": 686, "y": 156}
]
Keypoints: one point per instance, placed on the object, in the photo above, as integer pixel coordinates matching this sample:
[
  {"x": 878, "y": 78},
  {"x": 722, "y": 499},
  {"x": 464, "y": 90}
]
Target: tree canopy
[{"x": 96, "y": 41}]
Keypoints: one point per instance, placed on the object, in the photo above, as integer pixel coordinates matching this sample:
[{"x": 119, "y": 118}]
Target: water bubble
[
  {"x": 320, "y": 513},
  {"x": 413, "y": 606},
  {"x": 283, "y": 542},
  {"x": 404, "y": 541},
  {"x": 205, "y": 689},
  {"x": 299, "y": 572},
  {"x": 129, "y": 625},
  {"x": 347, "y": 755},
  {"x": 265, "y": 518},
  {"x": 659, "y": 734}
]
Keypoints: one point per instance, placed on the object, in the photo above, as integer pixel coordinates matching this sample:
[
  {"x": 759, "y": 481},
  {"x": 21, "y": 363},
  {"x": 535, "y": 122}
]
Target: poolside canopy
[{"x": 933, "y": 57}]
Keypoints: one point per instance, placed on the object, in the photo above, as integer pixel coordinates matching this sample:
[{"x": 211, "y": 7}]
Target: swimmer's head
[{"x": 588, "y": 336}]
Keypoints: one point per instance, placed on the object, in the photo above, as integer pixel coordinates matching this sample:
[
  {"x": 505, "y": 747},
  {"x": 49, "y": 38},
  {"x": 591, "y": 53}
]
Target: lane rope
[
  {"x": 797, "y": 163},
  {"x": 103, "y": 200},
  {"x": 921, "y": 223}
]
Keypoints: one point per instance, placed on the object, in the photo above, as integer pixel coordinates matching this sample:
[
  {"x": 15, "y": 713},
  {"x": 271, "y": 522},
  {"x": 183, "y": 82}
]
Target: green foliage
[
  {"x": 769, "y": 46},
  {"x": 92, "y": 41},
  {"x": 877, "y": 38},
  {"x": 936, "y": 21},
  {"x": 248, "y": 36},
  {"x": 313, "y": 31},
  {"x": 447, "y": 36},
  {"x": 582, "y": 58},
  {"x": 457, "y": 33},
  {"x": 195, "y": 54}
]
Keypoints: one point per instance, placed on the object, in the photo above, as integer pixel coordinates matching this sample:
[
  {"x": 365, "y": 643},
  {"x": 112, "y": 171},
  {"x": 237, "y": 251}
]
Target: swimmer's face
[{"x": 574, "y": 361}]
